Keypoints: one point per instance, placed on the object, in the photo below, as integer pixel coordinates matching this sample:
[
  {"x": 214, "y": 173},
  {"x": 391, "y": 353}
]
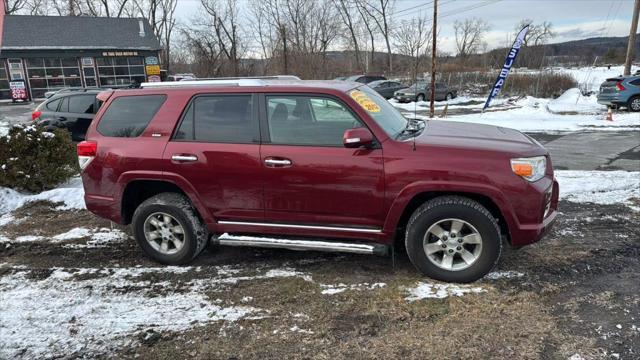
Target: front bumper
[
  {"x": 525, "y": 234},
  {"x": 405, "y": 98}
]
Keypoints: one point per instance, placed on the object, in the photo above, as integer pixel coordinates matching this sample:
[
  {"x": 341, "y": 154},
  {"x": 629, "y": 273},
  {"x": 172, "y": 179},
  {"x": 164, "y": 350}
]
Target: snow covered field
[{"x": 569, "y": 112}]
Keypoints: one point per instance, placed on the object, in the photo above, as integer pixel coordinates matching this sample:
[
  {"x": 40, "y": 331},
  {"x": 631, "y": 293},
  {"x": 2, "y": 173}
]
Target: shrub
[{"x": 32, "y": 159}]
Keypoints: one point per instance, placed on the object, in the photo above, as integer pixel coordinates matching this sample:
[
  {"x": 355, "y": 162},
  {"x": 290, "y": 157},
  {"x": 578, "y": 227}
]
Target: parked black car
[
  {"x": 71, "y": 110},
  {"x": 421, "y": 91},
  {"x": 365, "y": 79},
  {"x": 386, "y": 88}
]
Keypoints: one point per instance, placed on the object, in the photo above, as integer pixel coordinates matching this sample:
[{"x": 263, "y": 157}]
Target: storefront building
[{"x": 52, "y": 52}]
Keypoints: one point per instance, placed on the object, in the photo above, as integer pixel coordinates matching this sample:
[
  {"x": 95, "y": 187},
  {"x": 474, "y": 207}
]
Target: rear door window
[
  {"x": 219, "y": 119},
  {"x": 82, "y": 104},
  {"x": 128, "y": 116}
]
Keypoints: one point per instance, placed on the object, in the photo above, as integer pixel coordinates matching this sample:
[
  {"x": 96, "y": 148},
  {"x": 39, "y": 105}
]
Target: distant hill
[{"x": 598, "y": 46}]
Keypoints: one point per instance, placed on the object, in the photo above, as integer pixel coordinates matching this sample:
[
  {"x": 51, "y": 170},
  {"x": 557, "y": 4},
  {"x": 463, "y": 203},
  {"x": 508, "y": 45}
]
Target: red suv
[{"x": 313, "y": 165}]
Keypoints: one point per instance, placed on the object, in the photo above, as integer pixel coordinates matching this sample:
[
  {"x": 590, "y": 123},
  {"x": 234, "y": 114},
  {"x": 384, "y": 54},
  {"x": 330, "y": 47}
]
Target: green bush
[{"x": 32, "y": 159}]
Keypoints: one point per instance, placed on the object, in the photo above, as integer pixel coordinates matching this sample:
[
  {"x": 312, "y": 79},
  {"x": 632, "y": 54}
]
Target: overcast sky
[{"x": 572, "y": 19}]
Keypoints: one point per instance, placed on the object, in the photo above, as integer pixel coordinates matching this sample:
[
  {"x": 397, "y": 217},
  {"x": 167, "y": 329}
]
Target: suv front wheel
[
  {"x": 453, "y": 239},
  {"x": 168, "y": 229}
]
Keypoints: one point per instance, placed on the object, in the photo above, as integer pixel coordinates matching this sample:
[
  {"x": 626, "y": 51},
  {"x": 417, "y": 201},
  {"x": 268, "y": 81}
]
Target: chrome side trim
[
  {"x": 292, "y": 226},
  {"x": 301, "y": 245}
]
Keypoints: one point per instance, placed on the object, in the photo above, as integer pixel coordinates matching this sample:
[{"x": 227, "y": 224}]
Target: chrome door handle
[
  {"x": 184, "y": 158},
  {"x": 276, "y": 162}
]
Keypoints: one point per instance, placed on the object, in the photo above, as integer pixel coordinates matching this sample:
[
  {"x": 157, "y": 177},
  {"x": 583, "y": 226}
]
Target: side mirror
[{"x": 358, "y": 137}]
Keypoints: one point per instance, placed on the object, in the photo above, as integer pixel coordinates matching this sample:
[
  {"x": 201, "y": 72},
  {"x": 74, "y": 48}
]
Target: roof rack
[{"x": 224, "y": 81}]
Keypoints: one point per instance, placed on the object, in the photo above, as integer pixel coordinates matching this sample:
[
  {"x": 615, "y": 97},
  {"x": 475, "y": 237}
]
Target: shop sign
[
  {"x": 151, "y": 60},
  {"x": 154, "y": 78},
  {"x": 119, "y": 53},
  {"x": 18, "y": 91},
  {"x": 153, "y": 70}
]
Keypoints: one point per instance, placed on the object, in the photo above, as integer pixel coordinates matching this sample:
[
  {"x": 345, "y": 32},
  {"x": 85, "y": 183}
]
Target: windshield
[
  {"x": 387, "y": 116},
  {"x": 419, "y": 84}
]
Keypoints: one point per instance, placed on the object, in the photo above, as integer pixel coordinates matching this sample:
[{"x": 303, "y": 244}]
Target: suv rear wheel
[
  {"x": 168, "y": 229},
  {"x": 454, "y": 239},
  {"x": 420, "y": 97},
  {"x": 634, "y": 104}
]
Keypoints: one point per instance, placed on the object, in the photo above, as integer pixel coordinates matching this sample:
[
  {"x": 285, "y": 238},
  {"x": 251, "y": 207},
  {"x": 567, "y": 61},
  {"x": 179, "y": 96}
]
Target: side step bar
[{"x": 301, "y": 245}]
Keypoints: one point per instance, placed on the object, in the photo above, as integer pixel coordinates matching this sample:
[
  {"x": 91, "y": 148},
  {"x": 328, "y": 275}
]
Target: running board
[{"x": 301, "y": 245}]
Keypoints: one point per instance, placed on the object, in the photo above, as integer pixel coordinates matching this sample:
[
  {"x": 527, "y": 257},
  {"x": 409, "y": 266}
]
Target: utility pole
[
  {"x": 283, "y": 33},
  {"x": 433, "y": 59},
  {"x": 631, "y": 45}
]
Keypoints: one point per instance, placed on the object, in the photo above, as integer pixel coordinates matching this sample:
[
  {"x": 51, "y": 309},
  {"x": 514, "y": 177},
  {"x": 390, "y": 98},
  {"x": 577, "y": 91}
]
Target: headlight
[{"x": 532, "y": 169}]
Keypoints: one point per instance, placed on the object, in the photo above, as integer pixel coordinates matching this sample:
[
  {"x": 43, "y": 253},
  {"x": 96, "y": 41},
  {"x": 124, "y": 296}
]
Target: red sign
[{"x": 18, "y": 91}]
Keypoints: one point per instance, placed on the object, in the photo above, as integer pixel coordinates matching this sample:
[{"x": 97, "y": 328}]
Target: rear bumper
[
  {"x": 104, "y": 206},
  {"x": 612, "y": 99},
  {"x": 526, "y": 234}
]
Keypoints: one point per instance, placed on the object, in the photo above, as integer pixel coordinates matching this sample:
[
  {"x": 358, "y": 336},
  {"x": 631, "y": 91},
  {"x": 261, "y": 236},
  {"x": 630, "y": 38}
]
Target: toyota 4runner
[{"x": 311, "y": 165}]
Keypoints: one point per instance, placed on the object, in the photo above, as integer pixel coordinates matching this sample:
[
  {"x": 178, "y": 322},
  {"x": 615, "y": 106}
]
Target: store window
[
  {"x": 47, "y": 74},
  {"x": 120, "y": 71},
  {"x": 4, "y": 82}
]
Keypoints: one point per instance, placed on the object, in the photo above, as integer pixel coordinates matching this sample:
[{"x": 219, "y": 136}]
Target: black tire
[
  {"x": 634, "y": 104},
  {"x": 454, "y": 207},
  {"x": 420, "y": 97},
  {"x": 179, "y": 207},
  {"x": 449, "y": 96}
]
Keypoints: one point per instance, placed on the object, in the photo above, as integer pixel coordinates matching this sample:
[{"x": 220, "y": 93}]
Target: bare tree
[
  {"x": 348, "y": 14},
  {"x": 538, "y": 34},
  {"x": 161, "y": 17},
  {"x": 469, "y": 34},
  {"x": 381, "y": 12},
  {"x": 13, "y": 6},
  {"x": 371, "y": 31},
  {"x": 412, "y": 39},
  {"x": 224, "y": 18}
]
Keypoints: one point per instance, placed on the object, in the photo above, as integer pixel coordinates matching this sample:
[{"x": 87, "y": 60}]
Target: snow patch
[
  {"x": 75, "y": 233},
  {"x": 599, "y": 187},
  {"x": 495, "y": 275},
  {"x": 61, "y": 315},
  {"x": 70, "y": 194},
  {"x": 336, "y": 289},
  {"x": 440, "y": 291},
  {"x": 573, "y": 102}
]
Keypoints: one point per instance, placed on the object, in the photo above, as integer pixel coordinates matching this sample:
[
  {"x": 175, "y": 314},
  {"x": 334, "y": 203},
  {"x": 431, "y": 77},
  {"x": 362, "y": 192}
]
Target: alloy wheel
[
  {"x": 164, "y": 233},
  {"x": 452, "y": 244},
  {"x": 635, "y": 104}
]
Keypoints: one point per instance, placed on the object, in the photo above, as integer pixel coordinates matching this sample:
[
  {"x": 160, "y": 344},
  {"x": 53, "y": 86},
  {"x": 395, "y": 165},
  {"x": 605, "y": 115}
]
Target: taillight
[
  {"x": 87, "y": 150},
  {"x": 620, "y": 87},
  {"x": 36, "y": 114}
]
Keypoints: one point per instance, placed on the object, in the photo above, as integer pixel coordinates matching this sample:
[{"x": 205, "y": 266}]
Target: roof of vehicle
[
  {"x": 60, "y": 94},
  {"x": 271, "y": 85}
]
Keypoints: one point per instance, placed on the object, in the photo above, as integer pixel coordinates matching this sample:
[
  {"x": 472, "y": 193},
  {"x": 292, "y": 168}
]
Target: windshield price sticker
[{"x": 364, "y": 101}]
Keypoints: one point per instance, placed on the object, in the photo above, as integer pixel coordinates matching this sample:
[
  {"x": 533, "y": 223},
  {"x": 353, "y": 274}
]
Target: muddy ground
[{"x": 574, "y": 295}]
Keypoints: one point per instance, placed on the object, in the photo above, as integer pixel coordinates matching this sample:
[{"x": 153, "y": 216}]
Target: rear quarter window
[
  {"x": 53, "y": 105},
  {"x": 128, "y": 116}
]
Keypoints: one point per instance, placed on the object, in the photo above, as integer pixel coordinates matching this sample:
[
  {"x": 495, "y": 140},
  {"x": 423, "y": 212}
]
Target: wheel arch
[
  {"x": 137, "y": 190},
  {"x": 402, "y": 209}
]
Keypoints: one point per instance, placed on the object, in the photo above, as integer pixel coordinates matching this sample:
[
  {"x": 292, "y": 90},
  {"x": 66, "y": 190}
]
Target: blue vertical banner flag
[{"x": 508, "y": 63}]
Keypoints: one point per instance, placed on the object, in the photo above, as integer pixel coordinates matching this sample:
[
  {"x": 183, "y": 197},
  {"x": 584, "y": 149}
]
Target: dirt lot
[{"x": 577, "y": 294}]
